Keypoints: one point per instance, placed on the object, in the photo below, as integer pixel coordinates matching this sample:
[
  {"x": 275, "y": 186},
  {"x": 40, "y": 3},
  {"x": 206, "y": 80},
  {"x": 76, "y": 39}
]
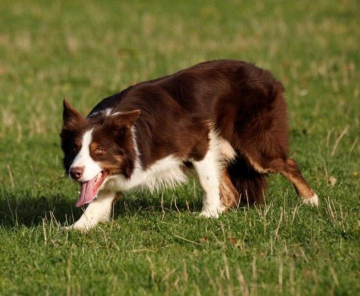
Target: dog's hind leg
[
  {"x": 96, "y": 212},
  {"x": 262, "y": 145},
  {"x": 229, "y": 195},
  {"x": 290, "y": 170}
]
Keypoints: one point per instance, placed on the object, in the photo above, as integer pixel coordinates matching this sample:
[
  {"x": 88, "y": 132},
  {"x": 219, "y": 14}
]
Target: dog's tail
[{"x": 249, "y": 183}]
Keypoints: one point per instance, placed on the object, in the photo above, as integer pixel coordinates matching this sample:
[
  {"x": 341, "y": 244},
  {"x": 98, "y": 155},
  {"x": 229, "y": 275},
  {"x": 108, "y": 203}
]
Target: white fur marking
[
  {"x": 83, "y": 159},
  {"x": 314, "y": 200},
  {"x": 106, "y": 111}
]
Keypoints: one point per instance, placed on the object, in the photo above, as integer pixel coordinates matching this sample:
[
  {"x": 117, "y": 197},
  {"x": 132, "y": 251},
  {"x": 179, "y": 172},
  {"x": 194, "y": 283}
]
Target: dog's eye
[{"x": 99, "y": 150}]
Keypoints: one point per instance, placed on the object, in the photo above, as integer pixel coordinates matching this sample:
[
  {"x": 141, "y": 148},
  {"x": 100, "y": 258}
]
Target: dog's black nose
[{"x": 76, "y": 172}]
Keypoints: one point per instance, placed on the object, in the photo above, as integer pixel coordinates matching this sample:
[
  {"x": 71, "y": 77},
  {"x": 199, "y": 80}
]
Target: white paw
[
  {"x": 314, "y": 200},
  {"x": 222, "y": 208},
  {"x": 79, "y": 227},
  {"x": 209, "y": 214}
]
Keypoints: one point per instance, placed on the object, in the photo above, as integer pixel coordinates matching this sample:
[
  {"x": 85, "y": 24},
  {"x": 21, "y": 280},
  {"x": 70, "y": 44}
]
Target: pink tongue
[{"x": 86, "y": 194}]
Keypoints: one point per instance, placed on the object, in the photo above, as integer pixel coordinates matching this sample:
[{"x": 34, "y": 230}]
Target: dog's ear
[
  {"x": 126, "y": 119},
  {"x": 70, "y": 115}
]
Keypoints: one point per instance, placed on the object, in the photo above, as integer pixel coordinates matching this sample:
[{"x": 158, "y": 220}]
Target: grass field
[{"x": 87, "y": 50}]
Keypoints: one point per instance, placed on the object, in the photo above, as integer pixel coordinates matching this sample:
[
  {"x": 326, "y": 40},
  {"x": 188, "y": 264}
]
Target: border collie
[{"x": 225, "y": 120}]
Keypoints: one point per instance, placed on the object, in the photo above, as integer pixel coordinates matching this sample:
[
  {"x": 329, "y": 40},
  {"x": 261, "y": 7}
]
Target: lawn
[{"x": 155, "y": 245}]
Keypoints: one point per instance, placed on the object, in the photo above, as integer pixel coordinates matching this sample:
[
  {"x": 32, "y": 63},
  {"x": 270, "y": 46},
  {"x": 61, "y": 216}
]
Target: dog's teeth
[
  {"x": 78, "y": 192},
  {"x": 98, "y": 177}
]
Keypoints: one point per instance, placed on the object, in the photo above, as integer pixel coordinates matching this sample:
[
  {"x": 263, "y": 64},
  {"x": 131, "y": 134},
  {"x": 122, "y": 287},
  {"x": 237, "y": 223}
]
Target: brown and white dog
[{"x": 224, "y": 119}]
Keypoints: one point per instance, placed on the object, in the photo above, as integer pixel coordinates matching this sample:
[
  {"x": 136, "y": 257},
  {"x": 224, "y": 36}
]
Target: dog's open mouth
[{"x": 90, "y": 189}]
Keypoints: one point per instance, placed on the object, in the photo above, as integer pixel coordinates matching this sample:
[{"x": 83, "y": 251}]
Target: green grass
[{"x": 87, "y": 50}]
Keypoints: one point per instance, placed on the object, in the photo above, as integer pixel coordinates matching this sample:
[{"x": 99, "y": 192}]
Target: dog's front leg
[
  {"x": 208, "y": 171},
  {"x": 99, "y": 210}
]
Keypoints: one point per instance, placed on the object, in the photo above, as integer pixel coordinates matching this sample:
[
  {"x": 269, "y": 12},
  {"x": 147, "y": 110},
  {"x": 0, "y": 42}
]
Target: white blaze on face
[{"x": 84, "y": 160}]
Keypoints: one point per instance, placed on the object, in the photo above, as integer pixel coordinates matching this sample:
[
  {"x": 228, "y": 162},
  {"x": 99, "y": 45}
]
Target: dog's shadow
[{"x": 29, "y": 211}]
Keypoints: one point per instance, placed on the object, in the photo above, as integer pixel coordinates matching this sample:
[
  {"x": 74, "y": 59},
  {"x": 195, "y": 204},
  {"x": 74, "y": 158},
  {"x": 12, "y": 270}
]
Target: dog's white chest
[{"x": 166, "y": 172}]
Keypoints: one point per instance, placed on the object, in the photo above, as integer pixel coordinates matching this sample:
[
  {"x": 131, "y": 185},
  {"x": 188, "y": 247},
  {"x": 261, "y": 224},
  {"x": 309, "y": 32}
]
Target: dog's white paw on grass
[
  {"x": 209, "y": 214},
  {"x": 77, "y": 227},
  {"x": 313, "y": 201}
]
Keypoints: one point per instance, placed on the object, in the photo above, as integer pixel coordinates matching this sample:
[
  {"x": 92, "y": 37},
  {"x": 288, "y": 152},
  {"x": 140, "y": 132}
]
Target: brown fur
[{"x": 244, "y": 104}]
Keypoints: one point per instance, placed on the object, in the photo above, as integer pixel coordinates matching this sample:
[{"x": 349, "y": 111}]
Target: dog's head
[{"x": 96, "y": 148}]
